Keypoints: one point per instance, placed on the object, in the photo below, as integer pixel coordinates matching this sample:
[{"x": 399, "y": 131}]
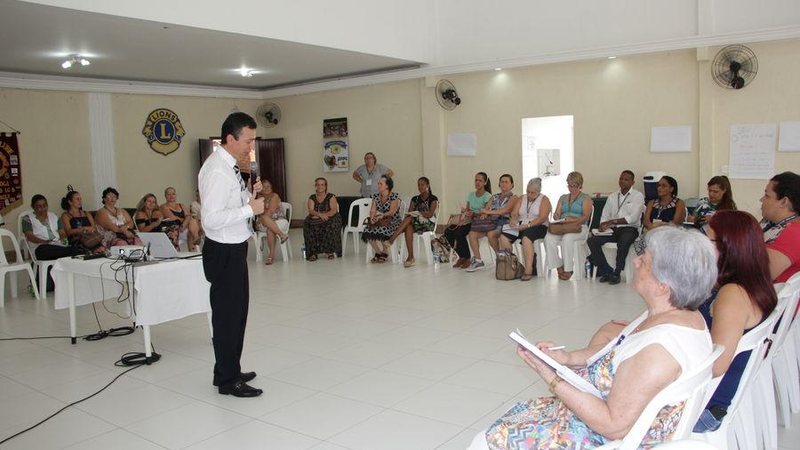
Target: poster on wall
[
  {"x": 752, "y": 152},
  {"x": 10, "y": 173},
  {"x": 335, "y": 154}
]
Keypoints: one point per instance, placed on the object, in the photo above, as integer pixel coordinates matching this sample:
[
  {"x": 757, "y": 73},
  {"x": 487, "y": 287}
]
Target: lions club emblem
[{"x": 163, "y": 131}]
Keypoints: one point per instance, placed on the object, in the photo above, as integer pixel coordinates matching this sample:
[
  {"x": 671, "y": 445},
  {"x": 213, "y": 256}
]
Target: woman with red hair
[{"x": 743, "y": 298}]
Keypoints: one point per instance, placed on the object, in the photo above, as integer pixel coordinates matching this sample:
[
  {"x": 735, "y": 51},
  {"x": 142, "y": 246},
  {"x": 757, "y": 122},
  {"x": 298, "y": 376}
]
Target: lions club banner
[
  {"x": 10, "y": 173},
  {"x": 335, "y": 156}
]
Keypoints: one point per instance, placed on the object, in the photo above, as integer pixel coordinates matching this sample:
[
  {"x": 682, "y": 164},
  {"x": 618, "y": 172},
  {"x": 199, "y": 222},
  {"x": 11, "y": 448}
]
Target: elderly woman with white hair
[
  {"x": 528, "y": 223},
  {"x": 674, "y": 276}
]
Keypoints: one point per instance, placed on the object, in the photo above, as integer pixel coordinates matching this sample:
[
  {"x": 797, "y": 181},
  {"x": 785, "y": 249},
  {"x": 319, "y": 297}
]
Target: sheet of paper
[
  {"x": 789, "y": 140},
  {"x": 752, "y": 151},
  {"x": 462, "y": 144},
  {"x": 563, "y": 371},
  {"x": 671, "y": 139}
]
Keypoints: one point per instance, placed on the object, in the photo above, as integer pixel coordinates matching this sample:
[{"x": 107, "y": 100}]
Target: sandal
[
  {"x": 526, "y": 277},
  {"x": 409, "y": 263},
  {"x": 311, "y": 258},
  {"x": 268, "y": 262},
  {"x": 382, "y": 257},
  {"x": 284, "y": 238},
  {"x": 331, "y": 256},
  {"x": 565, "y": 276}
]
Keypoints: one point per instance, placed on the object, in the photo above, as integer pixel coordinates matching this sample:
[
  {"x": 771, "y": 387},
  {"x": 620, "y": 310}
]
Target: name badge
[{"x": 369, "y": 181}]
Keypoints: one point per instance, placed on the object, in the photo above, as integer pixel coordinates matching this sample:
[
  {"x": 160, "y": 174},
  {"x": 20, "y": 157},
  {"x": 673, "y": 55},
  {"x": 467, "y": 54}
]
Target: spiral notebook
[{"x": 563, "y": 371}]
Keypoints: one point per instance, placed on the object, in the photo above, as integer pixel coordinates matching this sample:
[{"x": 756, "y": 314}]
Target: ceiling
[{"x": 36, "y": 39}]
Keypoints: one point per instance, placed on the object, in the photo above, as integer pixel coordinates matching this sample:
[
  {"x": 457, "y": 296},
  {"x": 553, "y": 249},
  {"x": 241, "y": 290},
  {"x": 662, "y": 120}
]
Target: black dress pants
[
  {"x": 225, "y": 267},
  {"x": 457, "y": 237},
  {"x": 624, "y": 237}
]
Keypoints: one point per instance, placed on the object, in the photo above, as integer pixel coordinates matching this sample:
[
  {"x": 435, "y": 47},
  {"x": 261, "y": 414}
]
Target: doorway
[{"x": 548, "y": 153}]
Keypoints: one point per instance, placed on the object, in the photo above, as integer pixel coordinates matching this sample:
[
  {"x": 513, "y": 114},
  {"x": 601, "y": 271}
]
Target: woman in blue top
[
  {"x": 493, "y": 216},
  {"x": 456, "y": 234},
  {"x": 742, "y": 299},
  {"x": 573, "y": 207}
]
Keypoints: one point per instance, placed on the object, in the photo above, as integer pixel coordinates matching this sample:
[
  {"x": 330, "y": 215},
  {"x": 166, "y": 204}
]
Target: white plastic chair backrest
[
  {"x": 7, "y": 233},
  {"x": 286, "y": 209},
  {"x": 625, "y": 331},
  {"x": 19, "y": 221},
  {"x": 363, "y": 205},
  {"x": 692, "y": 202},
  {"x": 690, "y": 390},
  {"x": 757, "y": 341},
  {"x": 685, "y": 444},
  {"x": 788, "y": 298}
]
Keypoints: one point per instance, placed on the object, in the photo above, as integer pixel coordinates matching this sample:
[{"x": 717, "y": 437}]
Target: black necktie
[{"x": 239, "y": 176}]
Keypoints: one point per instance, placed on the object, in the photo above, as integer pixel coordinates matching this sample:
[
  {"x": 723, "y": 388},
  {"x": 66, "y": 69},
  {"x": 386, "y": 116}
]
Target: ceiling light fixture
[
  {"x": 612, "y": 57},
  {"x": 247, "y": 73},
  {"x": 75, "y": 60},
  {"x": 498, "y": 69}
]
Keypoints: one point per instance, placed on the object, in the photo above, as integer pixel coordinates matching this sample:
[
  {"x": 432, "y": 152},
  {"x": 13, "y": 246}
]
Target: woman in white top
[
  {"x": 114, "y": 223},
  {"x": 45, "y": 234},
  {"x": 528, "y": 223},
  {"x": 272, "y": 221},
  {"x": 665, "y": 345}
]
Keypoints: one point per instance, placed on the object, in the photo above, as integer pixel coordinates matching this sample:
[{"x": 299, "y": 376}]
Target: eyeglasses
[{"x": 573, "y": 185}]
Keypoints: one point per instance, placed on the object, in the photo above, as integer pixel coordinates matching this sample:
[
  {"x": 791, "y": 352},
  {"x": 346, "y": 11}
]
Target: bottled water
[{"x": 587, "y": 267}]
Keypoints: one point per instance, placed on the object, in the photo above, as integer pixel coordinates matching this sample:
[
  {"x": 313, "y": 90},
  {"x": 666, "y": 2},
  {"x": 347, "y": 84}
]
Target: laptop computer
[{"x": 161, "y": 247}]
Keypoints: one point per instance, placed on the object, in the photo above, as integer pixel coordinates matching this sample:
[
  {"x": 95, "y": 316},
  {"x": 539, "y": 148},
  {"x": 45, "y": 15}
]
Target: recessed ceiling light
[
  {"x": 498, "y": 69},
  {"x": 247, "y": 73},
  {"x": 75, "y": 60},
  {"x": 612, "y": 57}
]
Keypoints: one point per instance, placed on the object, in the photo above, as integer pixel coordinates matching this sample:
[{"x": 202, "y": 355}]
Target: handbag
[
  {"x": 457, "y": 220},
  {"x": 383, "y": 222},
  {"x": 564, "y": 228},
  {"x": 484, "y": 224},
  {"x": 441, "y": 249},
  {"x": 508, "y": 267},
  {"x": 91, "y": 240}
]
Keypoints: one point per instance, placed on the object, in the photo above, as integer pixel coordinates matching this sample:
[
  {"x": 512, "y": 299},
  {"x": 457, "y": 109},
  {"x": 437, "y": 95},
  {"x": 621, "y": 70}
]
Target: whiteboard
[
  {"x": 670, "y": 139},
  {"x": 752, "y": 152}
]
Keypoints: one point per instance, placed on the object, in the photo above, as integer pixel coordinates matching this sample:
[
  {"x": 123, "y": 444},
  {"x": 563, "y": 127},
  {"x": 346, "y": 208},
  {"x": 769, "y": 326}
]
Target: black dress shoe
[
  {"x": 613, "y": 279},
  {"x": 240, "y": 389},
  {"x": 604, "y": 278},
  {"x": 245, "y": 376}
]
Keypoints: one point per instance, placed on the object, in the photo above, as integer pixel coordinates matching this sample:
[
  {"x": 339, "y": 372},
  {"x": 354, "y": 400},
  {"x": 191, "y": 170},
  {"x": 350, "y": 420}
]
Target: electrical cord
[{"x": 134, "y": 360}]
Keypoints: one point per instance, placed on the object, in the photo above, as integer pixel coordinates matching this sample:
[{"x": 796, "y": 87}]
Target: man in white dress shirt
[
  {"x": 226, "y": 211},
  {"x": 623, "y": 215}
]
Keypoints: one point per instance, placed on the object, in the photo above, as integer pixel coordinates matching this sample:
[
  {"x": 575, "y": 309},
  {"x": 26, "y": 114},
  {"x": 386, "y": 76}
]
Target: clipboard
[{"x": 561, "y": 370}]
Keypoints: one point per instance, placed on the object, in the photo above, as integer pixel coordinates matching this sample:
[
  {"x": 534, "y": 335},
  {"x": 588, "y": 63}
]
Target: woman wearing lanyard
[
  {"x": 369, "y": 173},
  {"x": 781, "y": 225},
  {"x": 528, "y": 223}
]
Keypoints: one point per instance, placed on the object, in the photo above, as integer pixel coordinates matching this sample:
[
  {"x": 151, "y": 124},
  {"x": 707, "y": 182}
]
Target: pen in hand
[{"x": 558, "y": 347}]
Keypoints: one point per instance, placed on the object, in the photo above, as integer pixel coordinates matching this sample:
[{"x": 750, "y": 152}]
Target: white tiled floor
[{"x": 351, "y": 357}]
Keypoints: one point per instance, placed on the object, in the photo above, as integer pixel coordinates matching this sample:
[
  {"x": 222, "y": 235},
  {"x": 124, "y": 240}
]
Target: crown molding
[{"x": 59, "y": 83}]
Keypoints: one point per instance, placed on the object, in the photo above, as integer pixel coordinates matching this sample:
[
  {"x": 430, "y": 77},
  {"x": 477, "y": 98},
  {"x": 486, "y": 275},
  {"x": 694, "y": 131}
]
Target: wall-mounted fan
[
  {"x": 446, "y": 95},
  {"x": 268, "y": 115},
  {"x": 734, "y": 67}
]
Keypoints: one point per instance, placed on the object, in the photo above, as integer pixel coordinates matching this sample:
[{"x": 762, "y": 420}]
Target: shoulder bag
[{"x": 508, "y": 267}]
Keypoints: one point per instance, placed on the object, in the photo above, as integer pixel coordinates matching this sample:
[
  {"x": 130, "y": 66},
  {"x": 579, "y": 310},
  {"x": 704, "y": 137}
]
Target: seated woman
[
  {"x": 188, "y": 228},
  {"x": 272, "y": 220},
  {"x": 148, "y": 218},
  {"x": 322, "y": 228},
  {"x": 79, "y": 225},
  {"x": 384, "y": 218},
  {"x": 575, "y": 208},
  {"x": 666, "y": 346},
  {"x": 781, "y": 225},
  {"x": 456, "y": 233},
  {"x": 720, "y": 197},
  {"x": 419, "y": 219},
  {"x": 491, "y": 220},
  {"x": 743, "y": 297},
  {"x": 528, "y": 223},
  {"x": 667, "y": 209},
  {"x": 45, "y": 234},
  {"x": 115, "y": 224}
]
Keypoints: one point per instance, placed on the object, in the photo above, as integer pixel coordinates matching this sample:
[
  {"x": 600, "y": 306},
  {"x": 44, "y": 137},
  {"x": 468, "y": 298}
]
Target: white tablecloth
[{"x": 169, "y": 290}]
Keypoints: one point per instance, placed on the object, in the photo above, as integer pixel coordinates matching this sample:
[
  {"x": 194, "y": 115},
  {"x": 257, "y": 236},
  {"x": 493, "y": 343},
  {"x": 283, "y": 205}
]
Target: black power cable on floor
[{"x": 134, "y": 359}]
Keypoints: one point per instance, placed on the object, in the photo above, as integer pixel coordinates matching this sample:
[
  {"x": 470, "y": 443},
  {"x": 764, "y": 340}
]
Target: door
[{"x": 272, "y": 164}]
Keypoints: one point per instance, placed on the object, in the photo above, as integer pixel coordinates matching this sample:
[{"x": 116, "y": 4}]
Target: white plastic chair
[
  {"x": 42, "y": 267},
  {"x": 581, "y": 252},
  {"x": 394, "y": 250},
  {"x": 363, "y": 205},
  {"x": 425, "y": 239},
  {"x": 538, "y": 248},
  {"x": 737, "y": 430},
  {"x": 24, "y": 248},
  {"x": 690, "y": 390},
  {"x": 260, "y": 237},
  {"x": 610, "y": 251},
  {"x": 11, "y": 268}
]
